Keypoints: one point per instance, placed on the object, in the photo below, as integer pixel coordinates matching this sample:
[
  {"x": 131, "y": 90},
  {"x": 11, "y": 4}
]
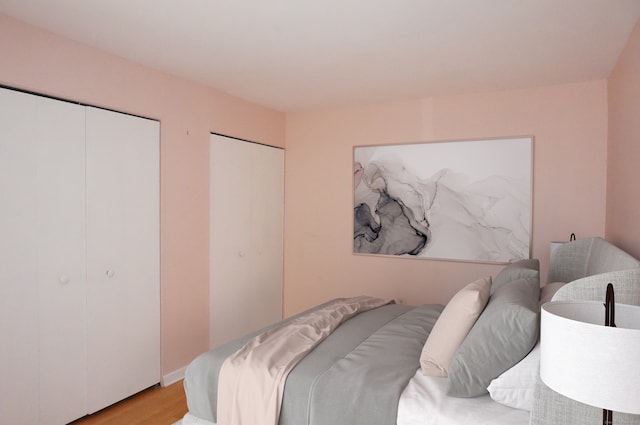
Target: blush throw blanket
[{"x": 251, "y": 382}]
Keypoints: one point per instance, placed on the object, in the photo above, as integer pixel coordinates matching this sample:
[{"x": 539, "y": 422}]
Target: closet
[
  {"x": 246, "y": 237},
  {"x": 79, "y": 258}
]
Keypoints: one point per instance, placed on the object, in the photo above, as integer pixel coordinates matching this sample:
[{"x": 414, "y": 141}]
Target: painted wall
[
  {"x": 569, "y": 123},
  {"x": 39, "y": 61},
  {"x": 623, "y": 196}
]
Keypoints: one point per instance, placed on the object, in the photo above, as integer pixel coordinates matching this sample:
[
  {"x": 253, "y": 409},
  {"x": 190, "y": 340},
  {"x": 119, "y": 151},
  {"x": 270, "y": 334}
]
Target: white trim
[{"x": 173, "y": 377}]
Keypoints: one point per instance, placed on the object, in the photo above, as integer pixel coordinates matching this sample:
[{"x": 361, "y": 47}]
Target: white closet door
[
  {"x": 123, "y": 281},
  {"x": 18, "y": 260},
  {"x": 60, "y": 172},
  {"x": 246, "y": 234}
]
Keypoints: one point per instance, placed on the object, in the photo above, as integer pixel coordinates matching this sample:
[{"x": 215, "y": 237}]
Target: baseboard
[{"x": 173, "y": 377}]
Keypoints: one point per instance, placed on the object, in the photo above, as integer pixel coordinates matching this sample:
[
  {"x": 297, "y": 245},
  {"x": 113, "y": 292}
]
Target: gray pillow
[
  {"x": 521, "y": 269},
  {"x": 504, "y": 334}
]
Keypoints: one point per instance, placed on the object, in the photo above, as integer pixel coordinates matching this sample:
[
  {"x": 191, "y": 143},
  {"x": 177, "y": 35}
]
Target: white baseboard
[{"x": 173, "y": 377}]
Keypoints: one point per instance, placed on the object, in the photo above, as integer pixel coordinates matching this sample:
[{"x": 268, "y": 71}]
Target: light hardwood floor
[{"x": 155, "y": 406}]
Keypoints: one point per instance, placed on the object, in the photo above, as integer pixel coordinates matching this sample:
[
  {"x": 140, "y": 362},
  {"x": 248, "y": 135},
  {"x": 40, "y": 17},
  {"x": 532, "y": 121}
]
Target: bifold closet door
[
  {"x": 123, "y": 270},
  {"x": 18, "y": 261},
  {"x": 42, "y": 293},
  {"x": 79, "y": 258},
  {"x": 246, "y": 237},
  {"x": 60, "y": 172}
]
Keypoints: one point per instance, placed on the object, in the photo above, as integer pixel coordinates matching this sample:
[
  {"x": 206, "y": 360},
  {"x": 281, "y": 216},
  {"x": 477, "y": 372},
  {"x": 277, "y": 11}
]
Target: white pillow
[
  {"x": 453, "y": 325},
  {"x": 514, "y": 388}
]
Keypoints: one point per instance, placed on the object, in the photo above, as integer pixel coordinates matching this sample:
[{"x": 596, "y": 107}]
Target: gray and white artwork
[{"x": 464, "y": 200}]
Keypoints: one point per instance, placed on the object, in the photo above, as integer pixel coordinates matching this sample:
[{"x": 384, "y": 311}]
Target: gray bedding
[{"x": 354, "y": 376}]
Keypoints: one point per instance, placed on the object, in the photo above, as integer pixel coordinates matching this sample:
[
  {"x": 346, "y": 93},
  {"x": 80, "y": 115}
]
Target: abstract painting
[{"x": 468, "y": 200}]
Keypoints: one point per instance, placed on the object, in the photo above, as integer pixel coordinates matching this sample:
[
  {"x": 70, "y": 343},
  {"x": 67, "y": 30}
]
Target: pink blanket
[{"x": 252, "y": 379}]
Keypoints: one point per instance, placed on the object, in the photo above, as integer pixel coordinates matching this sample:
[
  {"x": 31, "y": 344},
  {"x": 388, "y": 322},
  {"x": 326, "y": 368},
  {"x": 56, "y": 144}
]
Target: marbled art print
[{"x": 460, "y": 200}]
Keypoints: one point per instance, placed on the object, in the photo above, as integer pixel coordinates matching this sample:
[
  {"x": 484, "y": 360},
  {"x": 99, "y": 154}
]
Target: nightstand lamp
[{"x": 590, "y": 352}]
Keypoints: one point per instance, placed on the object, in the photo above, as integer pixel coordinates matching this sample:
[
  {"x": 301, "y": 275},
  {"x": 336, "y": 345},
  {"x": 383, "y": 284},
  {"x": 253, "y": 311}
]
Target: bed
[{"x": 474, "y": 361}]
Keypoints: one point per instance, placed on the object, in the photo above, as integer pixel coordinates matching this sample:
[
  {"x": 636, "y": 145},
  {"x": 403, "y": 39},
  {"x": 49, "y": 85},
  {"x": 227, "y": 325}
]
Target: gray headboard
[
  {"x": 587, "y": 257},
  {"x": 587, "y": 265}
]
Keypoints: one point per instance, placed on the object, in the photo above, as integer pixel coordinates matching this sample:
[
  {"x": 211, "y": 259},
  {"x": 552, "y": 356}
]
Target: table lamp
[{"x": 590, "y": 352}]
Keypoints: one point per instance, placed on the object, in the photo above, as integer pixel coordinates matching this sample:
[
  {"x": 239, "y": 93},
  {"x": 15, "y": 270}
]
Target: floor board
[{"x": 155, "y": 406}]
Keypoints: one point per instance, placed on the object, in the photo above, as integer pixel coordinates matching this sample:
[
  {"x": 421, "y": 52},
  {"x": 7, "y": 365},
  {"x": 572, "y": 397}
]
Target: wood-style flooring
[{"x": 154, "y": 406}]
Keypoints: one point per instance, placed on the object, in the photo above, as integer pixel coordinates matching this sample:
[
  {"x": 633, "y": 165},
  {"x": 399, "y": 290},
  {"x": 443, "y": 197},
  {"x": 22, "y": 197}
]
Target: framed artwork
[{"x": 467, "y": 200}]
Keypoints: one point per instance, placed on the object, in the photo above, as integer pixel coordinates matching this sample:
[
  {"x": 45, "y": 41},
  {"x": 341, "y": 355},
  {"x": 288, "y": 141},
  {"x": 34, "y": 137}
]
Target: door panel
[
  {"x": 246, "y": 234},
  {"x": 18, "y": 260},
  {"x": 123, "y": 271},
  {"x": 60, "y": 164}
]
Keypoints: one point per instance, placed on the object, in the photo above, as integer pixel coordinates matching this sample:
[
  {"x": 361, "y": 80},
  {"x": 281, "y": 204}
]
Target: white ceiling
[{"x": 301, "y": 54}]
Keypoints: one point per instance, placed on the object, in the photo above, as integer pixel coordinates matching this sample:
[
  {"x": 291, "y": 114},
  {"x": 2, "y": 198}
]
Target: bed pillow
[
  {"x": 522, "y": 269},
  {"x": 515, "y": 387},
  {"x": 453, "y": 325},
  {"x": 504, "y": 334}
]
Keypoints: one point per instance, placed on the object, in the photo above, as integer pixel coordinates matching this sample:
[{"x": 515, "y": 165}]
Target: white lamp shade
[{"x": 582, "y": 359}]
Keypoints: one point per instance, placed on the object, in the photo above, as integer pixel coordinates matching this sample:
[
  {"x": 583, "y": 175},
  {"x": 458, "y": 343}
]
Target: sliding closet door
[
  {"x": 123, "y": 272},
  {"x": 60, "y": 226},
  {"x": 246, "y": 237},
  {"x": 18, "y": 260}
]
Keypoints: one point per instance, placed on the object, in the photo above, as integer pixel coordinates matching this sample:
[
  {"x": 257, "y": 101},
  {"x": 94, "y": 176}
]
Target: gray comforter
[{"x": 355, "y": 376}]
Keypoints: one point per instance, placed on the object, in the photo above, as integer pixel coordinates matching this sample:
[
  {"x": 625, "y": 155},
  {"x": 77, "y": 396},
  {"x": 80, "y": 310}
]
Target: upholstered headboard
[
  {"x": 588, "y": 265},
  {"x": 587, "y": 257}
]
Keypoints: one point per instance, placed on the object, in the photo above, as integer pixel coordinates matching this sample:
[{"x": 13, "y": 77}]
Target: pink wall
[
  {"x": 623, "y": 199},
  {"x": 569, "y": 123},
  {"x": 39, "y": 61}
]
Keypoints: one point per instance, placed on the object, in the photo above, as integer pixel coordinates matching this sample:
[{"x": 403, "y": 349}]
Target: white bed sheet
[
  {"x": 189, "y": 419},
  {"x": 424, "y": 402}
]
